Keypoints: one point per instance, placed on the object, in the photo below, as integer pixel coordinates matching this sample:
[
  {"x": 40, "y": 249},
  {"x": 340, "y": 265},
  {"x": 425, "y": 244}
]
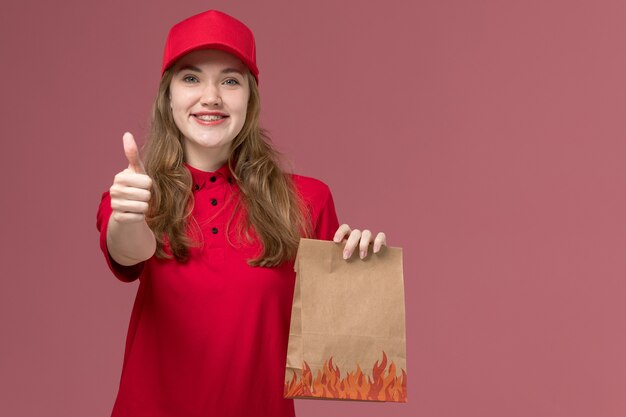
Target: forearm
[{"x": 130, "y": 243}]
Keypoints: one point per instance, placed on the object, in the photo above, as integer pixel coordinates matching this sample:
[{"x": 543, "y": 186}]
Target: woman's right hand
[{"x": 130, "y": 191}]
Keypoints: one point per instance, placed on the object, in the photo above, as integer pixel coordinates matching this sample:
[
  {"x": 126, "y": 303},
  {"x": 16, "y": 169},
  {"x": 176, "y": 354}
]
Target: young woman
[{"x": 210, "y": 227}]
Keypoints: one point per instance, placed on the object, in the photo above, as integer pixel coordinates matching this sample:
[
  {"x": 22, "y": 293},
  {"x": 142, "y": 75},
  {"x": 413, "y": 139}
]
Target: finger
[
  {"x": 132, "y": 154},
  {"x": 136, "y": 194},
  {"x": 123, "y": 194},
  {"x": 127, "y": 217},
  {"x": 129, "y": 179},
  {"x": 129, "y": 206},
  {"x": 380, "y": 240},
  {"x": 366, "y": 238},
  {"x": 353, "y": 239},
  {"x": 343, "y": 230}
]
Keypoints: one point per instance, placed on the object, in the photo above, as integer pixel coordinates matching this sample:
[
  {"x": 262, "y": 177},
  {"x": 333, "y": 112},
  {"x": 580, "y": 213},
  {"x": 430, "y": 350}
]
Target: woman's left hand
[{"x": 360, "y": 238}]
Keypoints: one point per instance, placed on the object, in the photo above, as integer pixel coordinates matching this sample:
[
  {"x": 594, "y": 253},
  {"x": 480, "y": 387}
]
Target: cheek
[
  {"x": 179, "y": 113},
  {"x": 180, "y": 106},
  {"x": 180, "y": 98},
  {"x": 176, "y": 110},
  {"x": 242, "y": 106}
]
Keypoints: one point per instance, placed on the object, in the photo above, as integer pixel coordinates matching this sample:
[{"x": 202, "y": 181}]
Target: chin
[{"x": 213, "y": 143}]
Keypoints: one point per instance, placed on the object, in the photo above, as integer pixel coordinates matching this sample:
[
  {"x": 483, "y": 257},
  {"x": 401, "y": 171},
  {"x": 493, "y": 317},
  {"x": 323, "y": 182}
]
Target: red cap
[{"x": 215, "y": 30}]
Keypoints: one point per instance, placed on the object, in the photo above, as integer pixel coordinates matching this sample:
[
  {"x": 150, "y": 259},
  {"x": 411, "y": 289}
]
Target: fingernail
[
  {"x": 346, "y": 254},
  {"x": 362, "y": 254}
]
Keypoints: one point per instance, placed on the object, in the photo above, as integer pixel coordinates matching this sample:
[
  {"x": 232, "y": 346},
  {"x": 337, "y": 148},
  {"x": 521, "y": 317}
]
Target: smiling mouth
[{"x": 209, "y": 117}]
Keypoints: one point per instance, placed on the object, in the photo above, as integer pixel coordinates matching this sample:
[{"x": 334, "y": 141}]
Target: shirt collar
[{"x": 203, "y": 179}]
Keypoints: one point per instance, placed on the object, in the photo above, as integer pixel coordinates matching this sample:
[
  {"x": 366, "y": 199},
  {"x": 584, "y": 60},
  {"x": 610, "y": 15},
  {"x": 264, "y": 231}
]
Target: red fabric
[
  {"x": 209, "y": 337},
  {"x": 211, "y": 29}
]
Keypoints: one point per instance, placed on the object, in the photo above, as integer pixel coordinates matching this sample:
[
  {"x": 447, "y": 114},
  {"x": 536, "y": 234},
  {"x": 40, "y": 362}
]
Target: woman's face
[{"x": 209, "y": 95}]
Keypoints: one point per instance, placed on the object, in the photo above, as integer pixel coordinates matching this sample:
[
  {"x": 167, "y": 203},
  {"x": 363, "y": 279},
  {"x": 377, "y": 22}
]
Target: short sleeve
[
  {"x": 122, "y": 272},
  {"x": 321, "y": 207},
  {"x": 326, "y": 223}
]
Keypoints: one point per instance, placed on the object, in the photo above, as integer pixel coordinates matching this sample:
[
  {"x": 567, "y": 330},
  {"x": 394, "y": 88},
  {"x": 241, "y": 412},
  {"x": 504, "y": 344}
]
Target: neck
[{"x": 209, "y": 160}]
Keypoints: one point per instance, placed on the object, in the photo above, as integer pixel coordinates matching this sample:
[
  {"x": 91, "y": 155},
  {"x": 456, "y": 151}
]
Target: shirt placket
[{"x": 211, "y": 197}]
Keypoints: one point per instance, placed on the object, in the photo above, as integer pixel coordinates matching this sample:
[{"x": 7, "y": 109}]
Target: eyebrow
[{"x": 196, "y": 69}]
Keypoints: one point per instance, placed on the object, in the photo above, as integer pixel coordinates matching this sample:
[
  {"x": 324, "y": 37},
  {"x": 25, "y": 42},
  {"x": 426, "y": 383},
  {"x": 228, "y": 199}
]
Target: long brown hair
[{"x": 268, "y": 203}]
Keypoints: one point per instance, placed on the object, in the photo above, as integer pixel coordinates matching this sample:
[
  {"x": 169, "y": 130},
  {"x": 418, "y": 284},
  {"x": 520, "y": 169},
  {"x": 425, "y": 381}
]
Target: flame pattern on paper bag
[{"x": 354, "y": 386}]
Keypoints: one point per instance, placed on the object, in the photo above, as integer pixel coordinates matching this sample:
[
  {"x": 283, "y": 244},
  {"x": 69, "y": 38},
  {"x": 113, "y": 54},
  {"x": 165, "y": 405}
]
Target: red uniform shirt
[{"x": 209, "y": 337}]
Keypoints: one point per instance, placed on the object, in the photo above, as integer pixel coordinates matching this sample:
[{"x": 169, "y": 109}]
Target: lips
[{"x": 210, "y": 118}]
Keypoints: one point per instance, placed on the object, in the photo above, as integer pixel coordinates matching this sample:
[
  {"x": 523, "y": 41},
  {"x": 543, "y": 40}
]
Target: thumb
[{"x": 132, "y": 154}]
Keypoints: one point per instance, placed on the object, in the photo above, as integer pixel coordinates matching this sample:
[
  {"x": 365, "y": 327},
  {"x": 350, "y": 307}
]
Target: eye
[
  {"x": 190, "y": 79},
  {"x": 231, "y": 81}
]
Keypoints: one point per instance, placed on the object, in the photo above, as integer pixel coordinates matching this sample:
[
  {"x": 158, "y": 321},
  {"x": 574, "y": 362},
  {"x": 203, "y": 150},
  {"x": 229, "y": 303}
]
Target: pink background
[{"x": 486, "y": 138}]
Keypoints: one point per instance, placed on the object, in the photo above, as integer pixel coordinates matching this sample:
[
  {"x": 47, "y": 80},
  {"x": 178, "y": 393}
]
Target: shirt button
[
  {"x": 214, "y": 202},
  {"x": 214, "y": 230},
  {"x": 196, "y": 187},
  {"x": 230, "y": 180},
  {"x": 212, "y": 179}
]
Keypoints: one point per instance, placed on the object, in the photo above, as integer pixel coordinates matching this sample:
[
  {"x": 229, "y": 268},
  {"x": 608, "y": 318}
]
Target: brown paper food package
[{"x": 347, "y": 337}]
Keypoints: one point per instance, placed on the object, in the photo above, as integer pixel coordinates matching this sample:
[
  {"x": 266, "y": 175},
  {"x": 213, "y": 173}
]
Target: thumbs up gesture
[
  {"x": 130, "y": 191},
  {"x": 132, "y": 154}
]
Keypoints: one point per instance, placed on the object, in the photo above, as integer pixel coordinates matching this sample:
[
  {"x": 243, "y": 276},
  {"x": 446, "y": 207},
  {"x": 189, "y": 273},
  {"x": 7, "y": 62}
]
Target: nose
[{"x": 211, "y": 96}]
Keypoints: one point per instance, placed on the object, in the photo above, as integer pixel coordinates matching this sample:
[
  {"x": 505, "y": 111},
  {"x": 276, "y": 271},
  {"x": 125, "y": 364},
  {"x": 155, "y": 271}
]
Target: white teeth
[{"x": 209, "y": 117}]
